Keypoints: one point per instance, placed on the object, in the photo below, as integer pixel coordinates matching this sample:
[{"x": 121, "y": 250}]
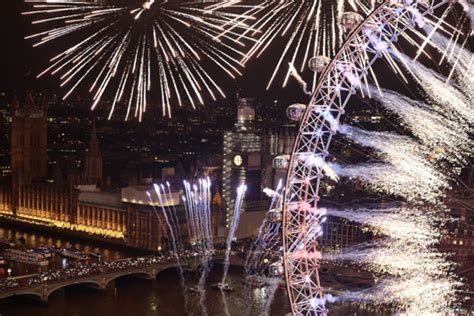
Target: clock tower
[{"x": 242, "y": 157}]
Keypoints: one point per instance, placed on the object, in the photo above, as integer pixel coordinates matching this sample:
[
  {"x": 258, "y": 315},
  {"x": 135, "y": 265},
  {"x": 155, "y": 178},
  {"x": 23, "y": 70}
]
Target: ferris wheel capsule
[
  {"x": 276, "y": 269},
  {"x": 281, "y": 162},
  {"x": 350, "y": 20},
  {"x": 275, "y": 216},
  {"x": 319, "y": 63},
  {"x": 295, "y": 111}
]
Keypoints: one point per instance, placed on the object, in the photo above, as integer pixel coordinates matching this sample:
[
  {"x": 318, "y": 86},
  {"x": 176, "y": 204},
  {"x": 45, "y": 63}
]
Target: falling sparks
[
  {"x": 126, "y": 53},
  {"x": 442, "y": 94},
  {"x": 412, "y": 225},
  {"x": 395, "y": 180},
  {"x": 445, "y": 138}
]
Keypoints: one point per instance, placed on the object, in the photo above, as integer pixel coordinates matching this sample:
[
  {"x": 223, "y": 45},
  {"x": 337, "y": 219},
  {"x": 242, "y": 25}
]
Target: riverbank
[{"x": 76, "y": 235}]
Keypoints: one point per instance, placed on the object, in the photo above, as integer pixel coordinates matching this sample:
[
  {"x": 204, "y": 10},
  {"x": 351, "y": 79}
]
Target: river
[{"x": 129, "y": 296}]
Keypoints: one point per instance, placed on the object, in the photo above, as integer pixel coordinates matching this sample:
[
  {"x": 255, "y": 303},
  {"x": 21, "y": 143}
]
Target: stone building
[{"x": 76, "y": 204}]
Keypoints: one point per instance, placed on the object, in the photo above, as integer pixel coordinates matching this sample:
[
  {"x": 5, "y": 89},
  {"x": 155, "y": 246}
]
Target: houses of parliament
[{"x": 75, "y": 204}]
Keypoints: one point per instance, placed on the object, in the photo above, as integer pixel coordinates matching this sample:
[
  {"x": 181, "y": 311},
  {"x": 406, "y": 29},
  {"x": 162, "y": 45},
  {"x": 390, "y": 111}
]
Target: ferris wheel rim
[{"x": 429, "y": 7}]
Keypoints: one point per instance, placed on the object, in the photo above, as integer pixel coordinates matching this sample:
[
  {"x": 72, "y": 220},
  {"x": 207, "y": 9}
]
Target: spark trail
[
  {"x": 386, "y": 178},
  {"x": 232, "y": 229},
  {"x": 197, "y": 201},
  {"x": 410, "y": 224},
  {"x": 264, "y": 249},
  {"x": 172, "y": 231},
  {"x": 407, "y": 160},
  {"x": 442, "y": 94}
]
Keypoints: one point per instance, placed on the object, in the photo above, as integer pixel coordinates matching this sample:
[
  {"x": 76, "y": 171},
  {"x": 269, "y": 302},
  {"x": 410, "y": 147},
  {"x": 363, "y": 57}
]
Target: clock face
[{"x": 238, "y": 160}]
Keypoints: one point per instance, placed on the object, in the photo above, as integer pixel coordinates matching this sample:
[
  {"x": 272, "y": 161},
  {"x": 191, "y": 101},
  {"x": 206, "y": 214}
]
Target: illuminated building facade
[
  {"x": 125, "y": 217},
  {"x": 108, "y": 215}
]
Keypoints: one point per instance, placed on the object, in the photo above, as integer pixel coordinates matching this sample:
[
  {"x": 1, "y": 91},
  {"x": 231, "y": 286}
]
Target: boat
[
  {"x": 7, "y": 242},
  {"x": 254, "y": 281},
  {"x": 195, "y": 289},
  {"x": 18, "y": 255},
  {"x": 258, "y": 281},
  {"x": 223, "y": 287},
  {"x": 45, "y": 251},
  {"x": 95, "y": 254},
  {"x": 74, "y": 254}
]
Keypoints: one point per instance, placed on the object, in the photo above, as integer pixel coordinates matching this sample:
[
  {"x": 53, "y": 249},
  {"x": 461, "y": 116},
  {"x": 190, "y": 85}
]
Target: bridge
[{"x": 101, "y": 277}]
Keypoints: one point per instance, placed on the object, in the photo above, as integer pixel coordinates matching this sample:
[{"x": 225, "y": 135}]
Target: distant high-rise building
[{"x": 93, "y": 162}]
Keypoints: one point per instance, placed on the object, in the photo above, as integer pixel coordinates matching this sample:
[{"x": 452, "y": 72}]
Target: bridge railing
[
  {"x": 107, "y": 267},
  {"x": 77, "y": 273}
]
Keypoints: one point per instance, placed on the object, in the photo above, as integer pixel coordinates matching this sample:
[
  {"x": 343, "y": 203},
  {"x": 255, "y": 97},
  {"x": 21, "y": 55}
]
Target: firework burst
[
  {"x": 308, "y": 28},
  {"x": 122, "y": 51}
]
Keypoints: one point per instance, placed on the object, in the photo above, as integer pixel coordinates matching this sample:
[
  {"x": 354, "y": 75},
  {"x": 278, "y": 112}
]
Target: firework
[
  {"x": 408, "y": 224},
  {"x": 415, "y": 274},
  {"x": 122, "y": 52},
  {"x": 308, "y": 28},
  {"x": 396, "y": 180}
]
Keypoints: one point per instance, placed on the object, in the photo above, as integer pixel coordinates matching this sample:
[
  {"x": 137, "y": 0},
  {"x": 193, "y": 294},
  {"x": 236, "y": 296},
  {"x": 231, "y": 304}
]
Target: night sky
[{"x": 17, "y": 57}]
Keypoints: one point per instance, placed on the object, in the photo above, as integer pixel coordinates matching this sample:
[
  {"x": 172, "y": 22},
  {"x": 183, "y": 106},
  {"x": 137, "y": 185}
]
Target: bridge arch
[
  {"x": 33, "y": 295},
  {"x": 91, "y": 283},
  {"x": 146, "y": 274}
]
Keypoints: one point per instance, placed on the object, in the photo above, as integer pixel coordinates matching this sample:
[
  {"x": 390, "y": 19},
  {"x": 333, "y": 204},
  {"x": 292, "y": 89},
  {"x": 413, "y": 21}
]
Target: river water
[{"x": 133, "y": 296}]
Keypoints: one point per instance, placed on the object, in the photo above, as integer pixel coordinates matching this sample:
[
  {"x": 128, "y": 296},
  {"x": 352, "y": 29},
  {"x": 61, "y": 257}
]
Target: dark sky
[{"x": 16, "y": 54}]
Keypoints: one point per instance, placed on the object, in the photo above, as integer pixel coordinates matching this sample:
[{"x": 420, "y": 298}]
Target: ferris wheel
[{"x": 349, "y": 73}]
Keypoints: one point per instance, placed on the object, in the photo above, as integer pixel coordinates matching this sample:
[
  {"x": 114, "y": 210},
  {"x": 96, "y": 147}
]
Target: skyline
[{"x": 351, "y": 188}]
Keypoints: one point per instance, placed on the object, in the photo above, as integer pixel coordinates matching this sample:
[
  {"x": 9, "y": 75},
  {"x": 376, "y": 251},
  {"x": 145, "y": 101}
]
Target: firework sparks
[
  {"x": 125, "y": 51},
  {"x": 446, "y": 138},
  {"x": 416, "y": 274},
  {"x": 308, "y": 27},
  {"x": 408, "y": 224},
  {"x": 442, "y": 94}
]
